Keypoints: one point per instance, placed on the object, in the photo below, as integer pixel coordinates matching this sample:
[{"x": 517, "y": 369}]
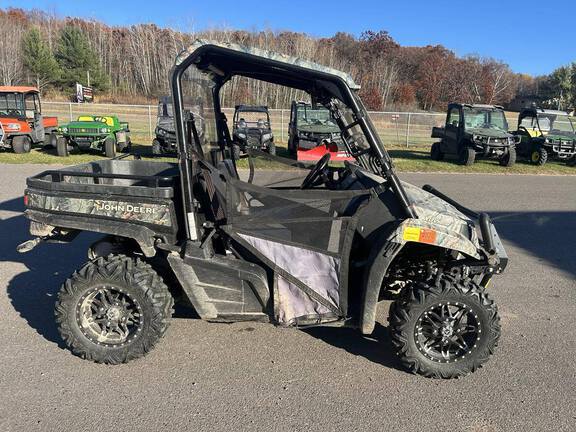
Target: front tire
[
  {"x": 62, "y": 147},
  {"x": 467, "y": 156},
  {"x": 113, "y": 310},
  {"x": 157, "y": 147},
  {"x": 509, "y": 159},
  {"x": 21, "y": 144},
  {"x": 110, "y": 147},
  {"x": 272, "y": 149},
  {"x": 446, "y": 329}
]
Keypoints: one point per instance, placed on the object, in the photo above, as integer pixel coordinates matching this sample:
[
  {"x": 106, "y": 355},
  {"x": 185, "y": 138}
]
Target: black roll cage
[{"x": 224, "y": 63}]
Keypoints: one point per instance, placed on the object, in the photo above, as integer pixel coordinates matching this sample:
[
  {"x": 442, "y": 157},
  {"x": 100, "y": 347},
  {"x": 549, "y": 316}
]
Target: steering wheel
[{"x": 316, "y": 172}]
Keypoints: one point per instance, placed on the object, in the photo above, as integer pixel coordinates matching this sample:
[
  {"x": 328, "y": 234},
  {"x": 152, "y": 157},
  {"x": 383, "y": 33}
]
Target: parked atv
[
  {"x": 103, "y": 133},
  {"x": 473, "y": 131},
  {"x": 22, "y": 124},
  {"x": 165, "y": 141},
  {"x": 546, "y": 134},
  {"x": 251, "y": 130},
  {"x": 295, "y": 244},
  {"x": 312, "y": 133}
]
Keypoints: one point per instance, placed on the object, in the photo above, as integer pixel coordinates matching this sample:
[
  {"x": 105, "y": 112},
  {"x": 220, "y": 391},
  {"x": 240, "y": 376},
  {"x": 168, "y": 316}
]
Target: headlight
[
  {"x": 267, "y": 136},
  {"x": 548, "y": 140},
  {"x": 65, "y": 129},
  {"x": 12, "y": 127},
  {"x": 104, "y": 130},
  {"x": 241, "y": 135}
]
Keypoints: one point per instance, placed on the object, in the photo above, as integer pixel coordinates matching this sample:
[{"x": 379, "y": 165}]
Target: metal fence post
[
  {"x": 70, "y": 110},
  {"x": 282, "y": 124},
  {"x": 149, "y": 122},
  {"x": 408, "y": 129}
]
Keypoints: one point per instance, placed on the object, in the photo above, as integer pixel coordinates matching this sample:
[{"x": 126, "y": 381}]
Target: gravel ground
[{"x": 249, "y": 376}]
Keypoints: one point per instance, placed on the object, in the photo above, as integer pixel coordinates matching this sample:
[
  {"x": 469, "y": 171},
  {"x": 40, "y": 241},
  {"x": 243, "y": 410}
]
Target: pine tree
[
  {"x": 38, "y": 59},
  {"x": 76, "y": 58}
]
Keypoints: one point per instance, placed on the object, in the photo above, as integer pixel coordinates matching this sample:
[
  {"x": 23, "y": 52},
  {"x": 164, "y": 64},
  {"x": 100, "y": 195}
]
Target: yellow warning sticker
[
  {"x": 411, "y": 234},
  {"x": 421, "y": 235}
]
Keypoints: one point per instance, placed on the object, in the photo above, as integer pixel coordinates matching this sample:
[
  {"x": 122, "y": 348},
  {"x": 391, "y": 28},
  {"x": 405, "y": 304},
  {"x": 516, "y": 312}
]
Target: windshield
[
  {"x": 556, "y": 123},
  {"x": 253, "y": 119},
  {"x": 11, "y": 104},
  {"x": 483, "y": 118},
  {"x": 306, "y": 115},
  {"x": 165, "y": 110}
]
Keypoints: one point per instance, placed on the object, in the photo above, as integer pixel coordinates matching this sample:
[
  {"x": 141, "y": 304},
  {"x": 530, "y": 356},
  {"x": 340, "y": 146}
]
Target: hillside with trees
[{"x": 129, "y": 64}]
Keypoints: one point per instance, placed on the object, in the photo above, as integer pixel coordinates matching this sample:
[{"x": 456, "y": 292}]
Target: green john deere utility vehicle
[
  {"x": 103, "y": 133},
  {"x": 546, "y": 134}
]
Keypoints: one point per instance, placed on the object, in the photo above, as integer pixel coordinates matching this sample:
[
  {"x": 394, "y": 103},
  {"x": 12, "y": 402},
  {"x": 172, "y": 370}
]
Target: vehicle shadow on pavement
[
  {"x": 550, "y": 236},
  {"x": 33, "y": 291},
  {"x": 376, "y": 347}
]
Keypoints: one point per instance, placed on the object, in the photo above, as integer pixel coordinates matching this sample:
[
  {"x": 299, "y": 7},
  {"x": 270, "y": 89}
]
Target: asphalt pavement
[{"x": 250, "y": 376}]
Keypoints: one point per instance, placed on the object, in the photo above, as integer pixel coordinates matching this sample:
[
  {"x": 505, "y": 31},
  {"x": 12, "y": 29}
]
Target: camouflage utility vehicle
[
  {"x": 285, "y": 242},
  {"x": 22, "y": 124},
  {"x": 473, "y": 131},
  {"x": 546, "y": 134},
  {"x": 103, "y": 133},
  {"x": 251, "y": 130}
]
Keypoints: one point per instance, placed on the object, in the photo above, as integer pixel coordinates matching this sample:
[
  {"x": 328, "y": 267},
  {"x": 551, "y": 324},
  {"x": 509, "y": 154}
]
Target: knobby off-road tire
[
  {"x": 132, "y": 291},
  {"x": 272, "y": 149},
  {"x": 110, "y": 147},
  {"x": 539, "y": 156},
  {"x": 62, "y": 147},
  {"x": 436, "y": 153},
  {"x": 236, "y": 152},
  {"x": 467, "y": 156},
  {"x": 509, "y": 159},
  {"x": 21, "y": 144},
  {"x": 51, "y": 140},
  {"x": 475, "y": 327},
  {"x": 157, "y": 147}
]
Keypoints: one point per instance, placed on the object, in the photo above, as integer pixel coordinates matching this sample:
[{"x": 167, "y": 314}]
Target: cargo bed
[{"x": 130, "y": 198}]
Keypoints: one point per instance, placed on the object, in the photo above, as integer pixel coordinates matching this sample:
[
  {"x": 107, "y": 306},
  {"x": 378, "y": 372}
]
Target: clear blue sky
[{"x": 533, "y": 37}]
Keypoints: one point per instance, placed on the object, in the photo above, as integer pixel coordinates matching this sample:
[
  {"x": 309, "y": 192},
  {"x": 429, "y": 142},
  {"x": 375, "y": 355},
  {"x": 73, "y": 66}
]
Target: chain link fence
[{"x": 397, "y": 129}]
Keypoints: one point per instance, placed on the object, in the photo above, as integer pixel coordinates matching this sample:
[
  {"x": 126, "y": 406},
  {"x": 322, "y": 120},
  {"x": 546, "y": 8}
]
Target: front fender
[
  {"x": 420, "y": 231},
  {"x": 388, "y": 247}
]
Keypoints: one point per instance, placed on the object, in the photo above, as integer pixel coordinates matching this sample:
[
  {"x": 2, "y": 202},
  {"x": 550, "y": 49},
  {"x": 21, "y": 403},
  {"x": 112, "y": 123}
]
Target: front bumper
[
  {"x": 499, "y": 250},
  {"x": 564, "y": 149}
]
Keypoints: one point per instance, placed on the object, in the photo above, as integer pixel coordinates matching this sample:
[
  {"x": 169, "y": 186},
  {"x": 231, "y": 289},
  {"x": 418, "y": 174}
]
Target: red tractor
[{"x": 21, "y": 122}]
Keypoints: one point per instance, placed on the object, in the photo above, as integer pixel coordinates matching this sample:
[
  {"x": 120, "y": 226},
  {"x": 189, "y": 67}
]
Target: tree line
[{"x": 132, "y": 63}]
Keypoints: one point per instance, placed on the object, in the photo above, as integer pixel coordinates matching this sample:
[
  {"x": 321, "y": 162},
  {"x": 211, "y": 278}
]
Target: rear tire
[
  {"x": 62, "y": 147},
  {"x": 539, "y": 156},
  {"x": 110, "y": 147},
  {"x": 436, "y": 153},
  {"x": 571, "y": 162},
  {"x": 21, "y": 144},
  {"x": 113, "y": 310},
  {"x": 446, "y": 329},
  {"x": 509, "y": 159},
  {"x": 467, "y": 156}
]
